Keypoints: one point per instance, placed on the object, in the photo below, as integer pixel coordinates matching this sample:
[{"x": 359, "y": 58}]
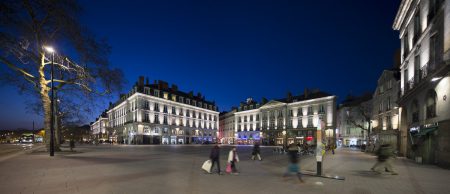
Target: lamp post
[
  {"x": 285, "y": 138},
  {"x": 52, "y": 117}
]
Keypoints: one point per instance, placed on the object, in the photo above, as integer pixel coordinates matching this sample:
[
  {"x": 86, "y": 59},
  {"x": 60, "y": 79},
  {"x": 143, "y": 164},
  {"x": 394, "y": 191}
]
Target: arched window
[
  {"x": 430, "y": 103},
  {"x": 415, "y": 111}
]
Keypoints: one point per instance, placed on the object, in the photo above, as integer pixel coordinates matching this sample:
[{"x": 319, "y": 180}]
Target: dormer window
[
  {"x": 156, "y": 93},
  {"x": 174, "y": 98},
  {"x": 166, "y": 95}
]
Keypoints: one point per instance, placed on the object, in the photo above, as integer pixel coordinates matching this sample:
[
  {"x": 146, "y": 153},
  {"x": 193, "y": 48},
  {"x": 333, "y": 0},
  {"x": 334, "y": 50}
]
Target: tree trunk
[{"x": 46, "y": 104}]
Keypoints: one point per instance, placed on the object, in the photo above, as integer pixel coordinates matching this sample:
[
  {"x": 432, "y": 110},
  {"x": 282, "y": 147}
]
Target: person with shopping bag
[{"x": 233, "y": 159}]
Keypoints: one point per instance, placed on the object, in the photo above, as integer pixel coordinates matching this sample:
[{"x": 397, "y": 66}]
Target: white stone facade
[
  {"x": 286, "y": 121},
  {"x": 148, "y": 115},
  {"x": 424, "y": 28},
  {"x": 385, "y": 110},
  {"x": 226, "y": 128}
]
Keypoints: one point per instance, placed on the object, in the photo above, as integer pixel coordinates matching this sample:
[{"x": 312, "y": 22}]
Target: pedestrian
[
  {"x": 214, "y": 156},
  {"x": 72, "y": 144},
  {"x": 233, "y": 159},
  {"x": 293, "y": 167},
  {"x": 384, "y": 154},
  {"x": 256, "y": 152},
  {"x": 333, "y": 147}
]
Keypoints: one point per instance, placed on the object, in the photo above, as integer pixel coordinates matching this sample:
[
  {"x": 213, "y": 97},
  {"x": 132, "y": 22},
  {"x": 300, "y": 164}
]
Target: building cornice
[{"x": 401, "y": 14}]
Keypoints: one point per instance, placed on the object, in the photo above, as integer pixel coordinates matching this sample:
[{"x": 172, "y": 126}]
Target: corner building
[
  {"x": 159, "y": 114},
  {"x": 293, "y": 119},
  {"x": 424, "y": 27}
]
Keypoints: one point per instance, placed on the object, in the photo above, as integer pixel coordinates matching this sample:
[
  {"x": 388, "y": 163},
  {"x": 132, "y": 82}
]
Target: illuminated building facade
[
  {"x": 159, "y": 114},
  {"x": 424, "y": 29}
]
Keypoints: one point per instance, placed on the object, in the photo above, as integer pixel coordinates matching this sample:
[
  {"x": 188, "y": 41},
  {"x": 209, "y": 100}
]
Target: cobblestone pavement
[{"x": 176, "y": 169}]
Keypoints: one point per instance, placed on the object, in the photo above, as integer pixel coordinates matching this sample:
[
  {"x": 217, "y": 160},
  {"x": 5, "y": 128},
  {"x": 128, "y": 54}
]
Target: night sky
[{"x": 232, "y": 50}]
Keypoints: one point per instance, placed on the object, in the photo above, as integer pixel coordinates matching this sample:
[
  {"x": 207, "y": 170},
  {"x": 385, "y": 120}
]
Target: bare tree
[
  {"x": 359, "y": 115},
  {"x": 28, "y": 25}
]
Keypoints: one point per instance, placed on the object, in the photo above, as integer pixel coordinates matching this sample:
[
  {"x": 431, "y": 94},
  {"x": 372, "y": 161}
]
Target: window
[
  {"x": 165, "y": 109},
  {"x": 174, "y": 98},
  {"x": 405, "y": 46},
  {"x": 245, "y": 119},
  {"x": 381, "y": 89},
  {"x": 188, "y": 113},
  {"x": 193, "y": 114},
  {"x": 310, "y": 110},
  {"x": 290, "y": 112},
  {"x": 166, "y": 95},
  {"x": 173, "y": 110},
  {"x": 156, "y": 107},
  {"x": 146, "y": 104},
  {"x": 432, "y": 50},
  {"x": 257, "y": 117},
  {"x": 156, "y": 93},
  {"x": 431, "y": 104},
  {"x": 310, "y": 122},
  {"x": 388, "y": 122},
  {"x": 417, "y": 27},
  {"x": 181, "y": 111},
  {"x": 251, "y": 118},
  {"x": 188, "y": 101},
  {"x": 417, "y": 76},
  {"x": 165, "y": 120},
  {"x": 322, "y": 109},
  {"x": 415, "y": 111},
  {"x": 146, "y": 117},
  {"x": 388, "y": 103},
  {"x": 180, "y": 99},
  {"x": 389, "y": 84},
  {"x": 156, "y": 118}
]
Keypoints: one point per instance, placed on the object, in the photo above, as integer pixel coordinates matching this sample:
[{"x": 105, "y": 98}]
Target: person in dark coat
[
  {"x": 214, "y": 156},
  {"x": 256, "y": 152},
  {"x": 71, "y": 144}
]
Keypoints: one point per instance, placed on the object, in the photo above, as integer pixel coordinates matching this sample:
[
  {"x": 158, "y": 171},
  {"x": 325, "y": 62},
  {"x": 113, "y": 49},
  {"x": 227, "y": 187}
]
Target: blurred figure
[
  {"x": 233, "y": 159},
  {"x": 72, "y": 144},
  {"x": 256, "y": 152},
  {"x": 214, "y": 156},
  {"x": 384, "y": 154},
  {"x": 293, "y": 167}
]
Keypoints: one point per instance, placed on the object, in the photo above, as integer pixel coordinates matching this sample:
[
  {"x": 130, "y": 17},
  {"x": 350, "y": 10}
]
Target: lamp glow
[{"x": 49, "y": 49}]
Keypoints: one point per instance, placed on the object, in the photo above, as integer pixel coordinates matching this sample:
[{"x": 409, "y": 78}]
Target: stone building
[
  {"x": 99, "y": 128},
  {"x": 226, "y": 127},
  {"x": 159, "y": 114},
  {"x": 353, "y": 120},
  {"x": 385, "y": 116},
  {"x": 293, "y": 119},
  {"x": 424, "y": 32}
]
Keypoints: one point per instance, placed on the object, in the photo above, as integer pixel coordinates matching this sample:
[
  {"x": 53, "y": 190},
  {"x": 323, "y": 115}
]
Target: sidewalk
[{"x": 164, "y": 169}]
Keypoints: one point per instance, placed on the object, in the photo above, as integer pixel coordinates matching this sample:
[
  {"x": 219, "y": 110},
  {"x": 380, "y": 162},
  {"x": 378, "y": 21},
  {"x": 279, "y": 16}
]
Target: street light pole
[{"x": 52, "y": 117}]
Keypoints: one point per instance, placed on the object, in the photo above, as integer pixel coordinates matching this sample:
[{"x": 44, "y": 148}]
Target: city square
[
  {"x": 225, "y": 96},
  {"x": 177, "y": 169}
]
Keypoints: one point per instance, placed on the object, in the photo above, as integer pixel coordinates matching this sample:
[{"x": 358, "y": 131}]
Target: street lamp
[
  {"x": 52, "y": 117},
  {"x": 285, "y": 138}
]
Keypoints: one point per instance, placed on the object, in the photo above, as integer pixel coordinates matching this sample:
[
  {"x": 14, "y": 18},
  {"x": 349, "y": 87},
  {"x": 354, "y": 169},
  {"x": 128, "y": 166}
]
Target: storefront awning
[{"x": 425, "y": 131}]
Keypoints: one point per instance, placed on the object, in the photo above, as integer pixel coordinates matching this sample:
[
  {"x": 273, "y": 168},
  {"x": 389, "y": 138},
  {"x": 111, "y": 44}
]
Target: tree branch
[{"x": 14, "y": 67}]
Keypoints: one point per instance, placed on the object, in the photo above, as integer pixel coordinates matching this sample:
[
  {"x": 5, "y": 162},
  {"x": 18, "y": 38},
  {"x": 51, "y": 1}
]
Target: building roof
[
  {"x": 306, "y": 96},
  {"x": 355, "y": 100}
]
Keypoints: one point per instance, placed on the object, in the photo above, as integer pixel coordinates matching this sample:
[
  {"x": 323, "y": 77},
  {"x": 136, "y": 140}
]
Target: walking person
[
  {"x": 384, "y": 154},
  {"x": 256, "y": 152},
  {"x": 71, "y": 144},
  {"x": 214, "y": 156},
  {"x": 293, "y": 167},
  {"x": 233, "y": 159}
]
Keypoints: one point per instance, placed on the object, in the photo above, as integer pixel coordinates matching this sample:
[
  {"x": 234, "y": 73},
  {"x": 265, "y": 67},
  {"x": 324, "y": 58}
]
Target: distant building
[
  {"x": 226, "y": 127},
  {"x": 353, "y": 120},
  {"x": 293, "y": 119},
  {"x": 424, "y": 29},
  {"x": 99, "y": 128},
  {"x": 159, "y": 114},
  {"x": 385, "y": 110}
]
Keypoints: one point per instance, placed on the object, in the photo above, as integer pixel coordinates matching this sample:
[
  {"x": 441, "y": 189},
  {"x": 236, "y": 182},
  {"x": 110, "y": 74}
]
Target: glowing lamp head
[{"x": 49, "y": 49}]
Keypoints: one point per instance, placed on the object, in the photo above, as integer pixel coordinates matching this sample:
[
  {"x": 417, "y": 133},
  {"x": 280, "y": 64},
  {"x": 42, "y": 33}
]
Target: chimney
[
  {"x": 141, "y": 81},
  {"x": 289, "y": 96},
  {"x": 199, "y": 95},
  {"x": 191, "y": 94},
  {"x": 174, "y": 87},
  {"x": 306, "y": 93}
]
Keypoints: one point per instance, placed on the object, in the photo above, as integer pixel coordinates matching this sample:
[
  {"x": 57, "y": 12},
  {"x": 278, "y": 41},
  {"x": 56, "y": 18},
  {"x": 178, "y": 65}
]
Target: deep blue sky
[{"x": 231, "y": 50}]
